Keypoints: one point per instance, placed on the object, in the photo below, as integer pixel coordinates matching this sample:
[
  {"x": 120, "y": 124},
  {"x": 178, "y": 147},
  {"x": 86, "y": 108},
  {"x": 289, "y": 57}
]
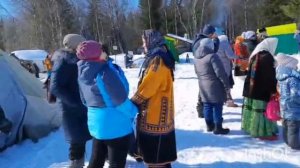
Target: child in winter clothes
[
  {"x": 289, "y": 82},
  {"x": 104, "y": 90},
  {"x": 241, "y": 64}
]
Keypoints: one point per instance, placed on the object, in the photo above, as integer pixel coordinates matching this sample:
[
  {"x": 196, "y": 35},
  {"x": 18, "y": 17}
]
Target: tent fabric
[
  {"x": 287, "y": 44},
  {"x": 171, "y": 43},
  {"x": 285, "y": 35},
  {"x": 23, "y": 100},
  {"x": 282, "y": 29}
]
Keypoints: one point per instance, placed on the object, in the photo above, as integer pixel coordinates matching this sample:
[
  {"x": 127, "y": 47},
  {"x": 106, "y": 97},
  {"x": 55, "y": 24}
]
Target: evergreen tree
[
  {"x": 292, "y": 10},
  {"x": 272, "y": 13},
  {"x": 150, "y": 14}
]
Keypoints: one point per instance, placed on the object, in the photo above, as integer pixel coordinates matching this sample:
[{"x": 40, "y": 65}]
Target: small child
[{"x": 289, "y": 82}]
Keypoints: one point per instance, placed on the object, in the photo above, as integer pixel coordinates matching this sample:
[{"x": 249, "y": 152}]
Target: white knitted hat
[
  {"x": 71, "y": 41},
  {"x": 286, "y": 60}
]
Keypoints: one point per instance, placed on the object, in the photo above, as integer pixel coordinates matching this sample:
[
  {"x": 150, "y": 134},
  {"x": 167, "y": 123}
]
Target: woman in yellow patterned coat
[{"x": 155, "y": 99}]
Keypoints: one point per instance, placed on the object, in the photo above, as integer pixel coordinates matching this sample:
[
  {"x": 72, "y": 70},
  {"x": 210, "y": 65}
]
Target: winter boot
[
  {"x": 77, "y": 163},
  {"x": 199, "y": 108},
  {"x": 5, "y": 126},
  {"x": 76, "y": 155},
  {"x": 220, "y": 130},
  {"x": 230, "y": 103},
  {"x": 210, "y": 126}
]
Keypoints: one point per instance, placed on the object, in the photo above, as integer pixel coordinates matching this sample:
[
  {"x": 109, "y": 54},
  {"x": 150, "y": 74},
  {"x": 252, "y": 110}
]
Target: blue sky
[
  {"x": 9, "y": 6},
  {"x": 134, "y": 3}
]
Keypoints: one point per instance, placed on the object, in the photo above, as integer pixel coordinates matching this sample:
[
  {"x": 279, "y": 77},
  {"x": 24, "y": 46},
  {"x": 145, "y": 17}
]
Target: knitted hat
[
  {"x": 71, "y": 41},
  {"x": 89, "y": 50},
  {"x": 208, "y": 29},
  {"x": 287, "y": 61}
]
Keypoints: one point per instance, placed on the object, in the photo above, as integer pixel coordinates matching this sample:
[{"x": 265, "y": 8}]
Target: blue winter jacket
[
  {"x": 289, "y": 82},
  {"x": 104, "y": 90}
]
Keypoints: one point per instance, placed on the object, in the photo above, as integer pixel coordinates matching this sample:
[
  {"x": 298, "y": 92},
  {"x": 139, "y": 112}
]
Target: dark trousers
[
  {"x": 76, "y": 151},
  {"x": 291, "y": 135},
  {"x": 115, "y": 149},
  {"x": 213, "y": 112},
  {"x": 160, "y": 166},
  {"x": 199, "y": 107}
]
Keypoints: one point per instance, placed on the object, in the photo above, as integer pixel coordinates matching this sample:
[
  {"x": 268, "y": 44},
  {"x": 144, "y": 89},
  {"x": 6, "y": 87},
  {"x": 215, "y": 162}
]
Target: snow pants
[
  {"x": 115, "y": 149},
  {"x": 291, "y": 133}
]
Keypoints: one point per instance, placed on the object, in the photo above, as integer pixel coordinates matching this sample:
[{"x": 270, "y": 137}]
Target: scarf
[{"x": 253, "y": 67}]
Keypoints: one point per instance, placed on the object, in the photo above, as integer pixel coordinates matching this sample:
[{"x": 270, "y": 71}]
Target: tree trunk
[
  {"x": 246, "y": 14},
  {"x": 202, "y": 14},
  {"x": 180, "y": 19},
  {"x": 149, "y": 15}
]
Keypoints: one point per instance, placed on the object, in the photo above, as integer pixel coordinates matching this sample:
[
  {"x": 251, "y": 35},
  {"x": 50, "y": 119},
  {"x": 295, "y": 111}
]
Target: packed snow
[{"x": 196, "y": 147}]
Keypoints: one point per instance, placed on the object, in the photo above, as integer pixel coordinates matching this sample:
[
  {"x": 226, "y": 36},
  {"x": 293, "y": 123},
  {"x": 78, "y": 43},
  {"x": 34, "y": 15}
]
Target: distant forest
[{"x": 42, "y": 24}]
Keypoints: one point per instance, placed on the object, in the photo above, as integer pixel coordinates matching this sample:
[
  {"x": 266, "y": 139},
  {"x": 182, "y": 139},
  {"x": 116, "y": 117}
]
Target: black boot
[
  {"x": 220, "y": 130},
  {"x": 199, "y": 107},
  {"x": 5, "y": 126},
  {"x": 210, "y": 126},
  {"x": 200, "y": 110}
]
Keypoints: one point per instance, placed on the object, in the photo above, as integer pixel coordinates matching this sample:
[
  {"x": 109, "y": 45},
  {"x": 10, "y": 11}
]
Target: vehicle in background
[{"x": 32, "y": 60}]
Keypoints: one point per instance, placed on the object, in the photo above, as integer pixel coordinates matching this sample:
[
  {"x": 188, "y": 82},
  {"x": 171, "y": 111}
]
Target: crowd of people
[
  {"x": 268, "y": 78},
  {"x": 93, "y": 94}
]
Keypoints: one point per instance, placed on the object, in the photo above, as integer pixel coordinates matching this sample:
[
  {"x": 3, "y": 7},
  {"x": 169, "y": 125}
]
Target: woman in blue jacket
[
  {"x": 104, "y": 91},
  {"x": 289, "y": 82}
]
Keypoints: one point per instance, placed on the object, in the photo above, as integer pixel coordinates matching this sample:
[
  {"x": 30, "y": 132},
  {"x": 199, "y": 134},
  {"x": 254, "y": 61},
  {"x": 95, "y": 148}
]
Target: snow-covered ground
[{"x": 196, "y": 147}]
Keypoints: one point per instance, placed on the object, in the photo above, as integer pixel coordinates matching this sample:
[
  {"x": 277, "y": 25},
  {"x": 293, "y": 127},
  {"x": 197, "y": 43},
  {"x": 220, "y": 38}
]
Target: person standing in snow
[
  {"x": 250, "y": 40},
  {"x": 105, "y": 90},
  {"x": 241, "y": 63},
  {"x": 155, "y": 100},
  {"x": 260, "y": 85},
  {"x": 227, "y": 56},
  {"x": 297, "y": 37},
  {"x": 213, "y": 84},
  {"x": 64, "y": 86},
  {"x": 289, "y": 83},
  {"x": 262, "y": 34},
  {"x": 208, "y": 32}
]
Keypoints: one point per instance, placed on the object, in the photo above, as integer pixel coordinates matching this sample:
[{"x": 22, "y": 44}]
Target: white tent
[{"x": 22, "y": 98}]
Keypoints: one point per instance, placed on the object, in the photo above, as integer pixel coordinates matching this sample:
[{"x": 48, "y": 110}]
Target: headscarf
[
  {"x": 268, "y": 44},
  {"x": 156, "y": 46},
  {"x": 153, "y": 39}
]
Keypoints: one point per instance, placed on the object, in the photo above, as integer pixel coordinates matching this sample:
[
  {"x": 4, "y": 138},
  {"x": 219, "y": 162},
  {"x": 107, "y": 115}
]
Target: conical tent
[{"x": 23, "y": 100}]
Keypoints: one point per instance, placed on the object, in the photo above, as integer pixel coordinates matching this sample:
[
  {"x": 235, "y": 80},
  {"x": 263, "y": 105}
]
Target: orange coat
[
  {"x": 241, "y": 51},
  {"x": 155, "y": 97},
  {"x": 48, "y": 64}
]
